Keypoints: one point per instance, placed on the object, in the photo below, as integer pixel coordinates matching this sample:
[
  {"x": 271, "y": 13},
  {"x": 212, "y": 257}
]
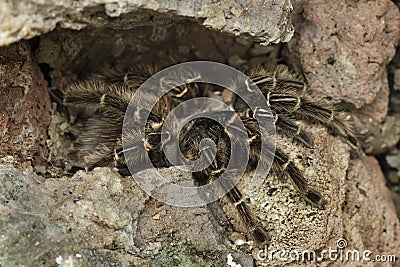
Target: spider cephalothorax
[{"x": 109, "y": 94}]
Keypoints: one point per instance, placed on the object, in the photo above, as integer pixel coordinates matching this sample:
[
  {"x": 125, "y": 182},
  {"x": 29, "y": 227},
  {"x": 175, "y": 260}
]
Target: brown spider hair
[{"x": 287, "y": 95}]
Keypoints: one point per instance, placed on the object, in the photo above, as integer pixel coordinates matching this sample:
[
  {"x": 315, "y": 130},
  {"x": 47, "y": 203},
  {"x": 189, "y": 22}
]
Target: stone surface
[
  {"x": 76, "y": 54},
  {"x": 263, "y": 20},
  {"x": 378, "y": 138},
  {"x": 369, "y": 215},
  {"x": 100, "y": 218},
  {"x": 343, "y": 48},
  {"x": 61, "y": 220},
  {"x": 91, "y": 219},
  {"x": 359, "y": 210},
  {"x": 292, "y": 222},
  {"x": 25, "y": 105}
]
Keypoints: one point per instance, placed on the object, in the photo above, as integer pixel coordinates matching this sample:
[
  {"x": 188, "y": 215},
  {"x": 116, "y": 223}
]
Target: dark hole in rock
[{"x": 68, "y": 56}]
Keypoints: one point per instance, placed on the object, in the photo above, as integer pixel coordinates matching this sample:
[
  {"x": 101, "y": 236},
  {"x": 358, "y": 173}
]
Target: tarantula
[{"x": 108, "y": 95}]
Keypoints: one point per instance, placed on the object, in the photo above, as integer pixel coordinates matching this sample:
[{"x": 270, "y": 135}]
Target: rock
[
  {"x": 236, "y": 61},
  {"x": 239, "y": 259},
  {"x": 258, "y": 50},
  {"x": 360, "y": 214},
  {"x": 344, "y": 48},
  {"x": 370, "y": 221},
  {"x": 393, "y": 176},
  {"x": 266, "y": 21},
  {"x": 55, "y": 220},
  {"x": 67, "y": 60},
  {"x": 195, "y": 225},
  {"x": 379, "y": 138},
  {"x": 329, "y": 34},
  {"x": 396, "y": 80},
  {"x": 393, "y": 160},
  {"x": 396, "y": 200},
  {"x": 90, "y": 218},
  {"x": 100, "y": 218},
  {"x": 292, "y": 223},
  {"x": 26, "y": 105}
]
